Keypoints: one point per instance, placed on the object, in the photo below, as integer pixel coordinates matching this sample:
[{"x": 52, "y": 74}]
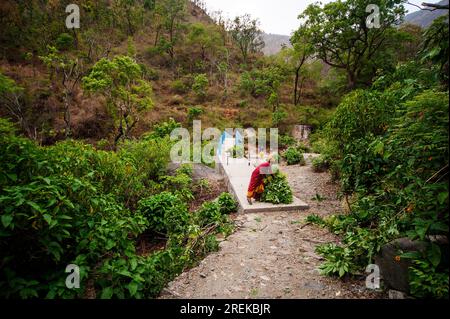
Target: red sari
[{"x": 256, "y": 186}]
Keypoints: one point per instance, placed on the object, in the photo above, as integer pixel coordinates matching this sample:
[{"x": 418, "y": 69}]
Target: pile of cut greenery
[{"x": 277, "y": 189}]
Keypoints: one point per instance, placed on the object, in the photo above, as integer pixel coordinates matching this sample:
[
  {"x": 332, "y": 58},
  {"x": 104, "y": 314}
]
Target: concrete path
[{"x": 237, "y": 173}]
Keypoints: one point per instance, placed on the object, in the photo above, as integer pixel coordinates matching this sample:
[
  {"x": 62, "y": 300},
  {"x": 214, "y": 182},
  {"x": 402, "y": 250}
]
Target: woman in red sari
[{"x": 256, "y": 186}]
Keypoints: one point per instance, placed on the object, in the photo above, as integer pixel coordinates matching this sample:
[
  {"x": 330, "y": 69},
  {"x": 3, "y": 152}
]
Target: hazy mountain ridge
[
  {"x": 424, "y": 18},
  {"x": 274, "y": 43}
]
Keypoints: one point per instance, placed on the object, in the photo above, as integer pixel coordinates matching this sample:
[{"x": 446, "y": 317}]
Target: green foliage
[
  {"x": 317, "y": 117},
  {"x": 163, "y": 129},
  {"x": 392, "y": 156},
  {"x": 180, "y": 183},
  {"x": 149, "y": 156},
  {"x": 293, "y": 156},
  {"x": 165, "y": 212},
  {"x": 277, "y": 189},
  {"x": 194, "y": 112},
  {"x": 121, "y": 81},
  {"x": 200, "y": 85},
  {"x": 64, "y": 41},
  {"x": 320, "y": 163},
  {"x": 286, "y": 141},
  {"x": 72, "y": 204},
  {"x": 315, "y": 219},
  {"x": 435, "y": 47},
  {"x": 180, "y": 87},
  {"x": 339, "y": 260},
  {"x": 247, "y": 35},
  {"x": 425, "y": 281},
  {"x": 340, "y": 37},
  {"x": 237, "y": 151},
  {"x": 262, "y": 82},
  {"x": 227, "y": 203},
  {"x": 278, "y": 116}
]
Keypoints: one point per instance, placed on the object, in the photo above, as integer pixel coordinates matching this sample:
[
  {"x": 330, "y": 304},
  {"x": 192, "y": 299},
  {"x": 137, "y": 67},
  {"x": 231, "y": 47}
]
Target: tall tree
[
  {"x": 169, "y": 16},
  {"x": 246, "y": 33},
  {"x": 342, "y": 36},
  {"x": 301, "y": 50},
  {"x": 121, "y": 81}
]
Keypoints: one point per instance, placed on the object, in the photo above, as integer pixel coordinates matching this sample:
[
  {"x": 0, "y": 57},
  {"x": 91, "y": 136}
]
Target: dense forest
[{"x": 86, "y": 114}]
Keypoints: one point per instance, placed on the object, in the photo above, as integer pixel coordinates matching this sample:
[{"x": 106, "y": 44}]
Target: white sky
[{"x": 276, "y": 16}]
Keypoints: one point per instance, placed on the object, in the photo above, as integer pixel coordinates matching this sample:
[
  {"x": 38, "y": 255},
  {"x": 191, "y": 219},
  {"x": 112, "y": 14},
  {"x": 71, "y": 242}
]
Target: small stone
[
  {"x": 203, "y": 275},
  {"x": 264, "y": 278},
  {"x": 395, "y": 294}
]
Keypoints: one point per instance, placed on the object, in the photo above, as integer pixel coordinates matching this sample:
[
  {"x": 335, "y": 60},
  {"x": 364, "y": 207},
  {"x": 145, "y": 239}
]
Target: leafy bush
[
  {"x": 278, "y": 116},
  {"x": 277, "y": 190},
  {"x": 227, "y": 203},
  {"x": 262, "y": 82},
  {"x": 320, "y": 164},
  {"x": 293, "y": 156},
  {"x": 162, "y": 129},
  {"x": 180, "y": 183},
  {"x": 209, "y": 214},
  {"x": 64, "y": 41},
  {"x": 286, "y": 141},
  {"x": 72, "y": 204},
  {"x": 200, "y": 85},
  {"x": 165, "y": 212},
  {"x": 392, "y": 156},
  {"x": 339, "y": 260},
  {"x": 179, "y": 87},
  {"x": 194, "y": 112}
]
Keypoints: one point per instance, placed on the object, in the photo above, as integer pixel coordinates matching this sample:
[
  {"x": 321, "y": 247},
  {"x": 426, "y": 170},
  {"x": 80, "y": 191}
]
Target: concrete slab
[{"x": 237, "y": 172}]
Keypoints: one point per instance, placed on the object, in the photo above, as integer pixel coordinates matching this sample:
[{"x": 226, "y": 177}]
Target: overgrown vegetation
[
  {"x": 376, "y": 99},
  {"x": 72, "y": 204},
  {"x": 390, "y": 150}
]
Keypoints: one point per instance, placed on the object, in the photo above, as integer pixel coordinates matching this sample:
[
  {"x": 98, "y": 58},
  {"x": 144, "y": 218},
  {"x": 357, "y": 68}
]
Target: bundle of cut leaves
[{"x": 277, "y": 189}]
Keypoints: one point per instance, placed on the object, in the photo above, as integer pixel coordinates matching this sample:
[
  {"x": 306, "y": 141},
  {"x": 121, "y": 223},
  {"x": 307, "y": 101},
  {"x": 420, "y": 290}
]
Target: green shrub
[
  {"x": 339, "y": 260},
  {"x": 64, "y": 41},
  {"x": 209, "y": 213},
  {"x": 162, "y": 129},
  {"x": 194, "y": 112},
  {"x": 278, "y": 116},
  {"x": 285, "y": 141},
  {"x": 200, "y": 85},
  {"x": 165, "y": 212},
  {"x": 392, "y": 163},
  {"x": 179, "y": 87},
  {"x": 320, "y": 164},
  {"x": 277, "y": 190},
  {"x": 227, "y": 203},
  {"x": 149, "y": 73},
  {"x": 180, "y": 183},
  {"x": 293, "y": 156},
  {"x": 150, "y": 157}
]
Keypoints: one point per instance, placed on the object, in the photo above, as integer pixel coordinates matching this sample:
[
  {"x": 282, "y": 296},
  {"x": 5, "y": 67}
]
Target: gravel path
[{"x": 271, "y": 255}]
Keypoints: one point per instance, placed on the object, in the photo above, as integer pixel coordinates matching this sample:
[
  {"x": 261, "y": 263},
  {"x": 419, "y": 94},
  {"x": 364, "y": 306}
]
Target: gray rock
[
  {"x": 394, "y": 271},
  {"x": 395, "y": 294}
]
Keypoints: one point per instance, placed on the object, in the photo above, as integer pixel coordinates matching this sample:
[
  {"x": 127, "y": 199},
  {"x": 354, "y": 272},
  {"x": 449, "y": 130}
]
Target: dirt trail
[{"x": 271, "y": 255}]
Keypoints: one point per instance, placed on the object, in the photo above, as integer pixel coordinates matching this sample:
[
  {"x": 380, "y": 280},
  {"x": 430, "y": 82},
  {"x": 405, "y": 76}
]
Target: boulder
[{"x": 393, "y": 269}]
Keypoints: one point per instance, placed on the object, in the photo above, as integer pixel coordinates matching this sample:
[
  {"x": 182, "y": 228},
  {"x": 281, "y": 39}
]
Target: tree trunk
[
  {"x": 297, "y": 77},
  {"x": 351, "y": 79}
]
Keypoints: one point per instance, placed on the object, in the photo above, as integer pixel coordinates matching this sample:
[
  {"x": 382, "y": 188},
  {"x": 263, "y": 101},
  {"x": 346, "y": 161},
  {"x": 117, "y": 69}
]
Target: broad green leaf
[
  {"x": 107, "y": 293},
  {"x": 6, "y": 220}
]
